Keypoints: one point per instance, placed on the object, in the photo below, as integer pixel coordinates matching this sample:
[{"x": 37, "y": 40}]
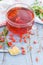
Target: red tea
[{"x": 20, "y": 20}]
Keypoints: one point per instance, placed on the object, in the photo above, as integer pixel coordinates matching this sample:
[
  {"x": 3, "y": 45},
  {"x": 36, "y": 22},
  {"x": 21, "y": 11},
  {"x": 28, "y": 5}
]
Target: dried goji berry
[
  {"x": 22, "y": 47},
  {"x": 32, "y": 33},
  {"x": 23, "y": 52},
  {"x": 38, "y": 51},
  {"x": 42, "y": 20},
  {"x": 35, "y": 42},
  {"x": 42, "y": 48},
  {"x": 24, "y": 37},
  {"x": 28, "y": 36},
  {"x": 1, "y": 46},
  {"x": 37, "y": 59},
  {"x": 29, "y": 32},
  {"x": 25, "y": 41},
  {"x": 12, "y": 39},
  {"x": 2, "y": 39},
  {"x": 18, "y": 18},
  {"x": 10, "y": 44}
]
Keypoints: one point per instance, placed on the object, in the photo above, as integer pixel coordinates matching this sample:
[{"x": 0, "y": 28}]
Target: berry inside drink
[{"x": 20, "y": 20}]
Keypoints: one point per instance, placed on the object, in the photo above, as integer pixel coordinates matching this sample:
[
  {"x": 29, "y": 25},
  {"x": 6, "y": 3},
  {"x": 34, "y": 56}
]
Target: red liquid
[{"x": 20, "y": 16}]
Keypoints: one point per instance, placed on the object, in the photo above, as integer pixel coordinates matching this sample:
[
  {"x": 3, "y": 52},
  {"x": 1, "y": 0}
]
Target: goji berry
[
  {"x": 1, "y": 46},
  {"x": 37, "y": 59},
  {"x": 10, "y": 44},
  {"x": 25, "y": 41},
  {"x": 12, "y": 38},
  {"x": 42, "y": 20},
  {"x": 31, "y": 33},
  {"x": 28, "y": 36},
  {"x": 42, "y": 48},
  {"x": 2, "y": 39},
  {"x": 23, "y": 52},
  {"x": 18, "y": 18},
  {"x": 0, "y": 33},
  {"x": 22, "y": 47},
  {"x": 38, "y": 51},
  {"x": 35, "y": 42},
  {"x": 24, "y": 37}
]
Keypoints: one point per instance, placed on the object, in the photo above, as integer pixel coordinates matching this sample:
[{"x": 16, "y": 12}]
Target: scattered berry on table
[
  {"x": 22, "y": 47},
  {"x": 35, "y": 42},
  {"x": 23, "y": 51},
  {"x": 9, "y": 44},
  {"x": 38, "y": 51},
  {"x": 24, "y": 37},
  {"x": 1, "y": 39},
  {"x": 37, "y": 59},
  {"x": 12, "y": 39},
  {"x": 28, "y": 36},
  {"x": 25, "y": 40},
  {"x": 1, "y": 46},
  {"x": 42, "y": 20}
]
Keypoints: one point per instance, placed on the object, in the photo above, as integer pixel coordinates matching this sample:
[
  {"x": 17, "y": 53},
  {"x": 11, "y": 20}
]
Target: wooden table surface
[{"x": 32, "y": 57}]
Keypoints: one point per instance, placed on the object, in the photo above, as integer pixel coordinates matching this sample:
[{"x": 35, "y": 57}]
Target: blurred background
[{"x": 22, "y": 1}]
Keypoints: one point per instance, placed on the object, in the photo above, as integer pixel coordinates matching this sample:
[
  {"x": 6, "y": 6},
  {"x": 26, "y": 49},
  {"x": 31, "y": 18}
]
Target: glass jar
[{"x": 20, "y": 18}]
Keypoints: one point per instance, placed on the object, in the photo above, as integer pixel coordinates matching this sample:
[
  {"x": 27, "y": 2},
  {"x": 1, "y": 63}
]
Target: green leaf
[
  {"x": 41, "y": 16},
  {"x": 5, "y": 31},
  {"x": 7, "y": 43}
]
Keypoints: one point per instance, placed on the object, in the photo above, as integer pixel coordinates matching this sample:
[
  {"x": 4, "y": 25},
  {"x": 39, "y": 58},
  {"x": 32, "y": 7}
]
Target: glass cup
[{"x": 20, "y": 18}]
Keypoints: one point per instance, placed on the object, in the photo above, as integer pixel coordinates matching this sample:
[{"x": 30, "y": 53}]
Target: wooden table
[{"x": 33, "y": 57}]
